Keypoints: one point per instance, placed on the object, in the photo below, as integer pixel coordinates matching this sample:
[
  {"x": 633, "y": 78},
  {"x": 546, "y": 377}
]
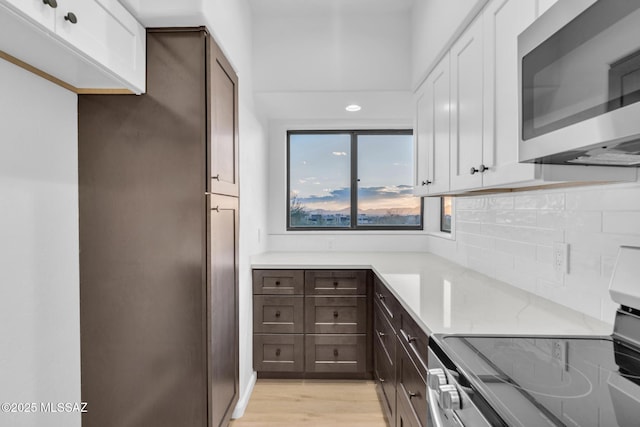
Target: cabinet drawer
[
  {"x": 387, "y": 302},
  {"x": 383, "y": 333},
  {"x": 278, "y": 353},
  {"x": 278, "y": 282},
  {"x": 336, "y": 315},
  {"x": 385, "y": 374},
  {"x": 411, "y": 386},
  {"x": 278, "y": 314},
  {"x": 405, "y": 415},
  {"x": 328, "y": 282},
  {"x": 336, "y": 353},
  {"x": 415, "y": 341}
]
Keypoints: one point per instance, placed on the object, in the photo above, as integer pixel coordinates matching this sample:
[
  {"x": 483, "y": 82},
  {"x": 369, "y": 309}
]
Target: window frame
[
  {"x": 442, "y": 229},
  {"x": 353, "y": 180}
]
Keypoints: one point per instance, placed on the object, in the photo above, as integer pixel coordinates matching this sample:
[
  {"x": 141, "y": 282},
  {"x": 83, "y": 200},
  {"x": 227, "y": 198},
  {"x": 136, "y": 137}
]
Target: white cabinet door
[
  {"x": 433, "y": 132},
  {"x": 441, "y": 128},
  {"x": 422, "y": 134},
  {"x": 503, "y": 20},
  {"x": 466, "y": 108},
  {"x": 107, "y": 33},
  {"x": 35, "y": 10}
]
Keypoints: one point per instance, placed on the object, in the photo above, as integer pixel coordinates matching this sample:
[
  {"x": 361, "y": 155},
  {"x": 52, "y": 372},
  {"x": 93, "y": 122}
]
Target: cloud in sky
[{"x": 389, "y": 197}]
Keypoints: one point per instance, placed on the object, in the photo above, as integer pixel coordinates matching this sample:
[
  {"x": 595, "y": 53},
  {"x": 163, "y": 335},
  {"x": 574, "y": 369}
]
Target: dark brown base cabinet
[
  {"x": 312, "y": 323},
  {"x": 400, "y": 360},
  {"x": 341, "y": 324},
  {"x": 158, "y": 242}
]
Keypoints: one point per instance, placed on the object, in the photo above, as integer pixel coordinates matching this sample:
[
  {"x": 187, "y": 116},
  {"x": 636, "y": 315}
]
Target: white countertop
[{"x": 448, "y": 298}]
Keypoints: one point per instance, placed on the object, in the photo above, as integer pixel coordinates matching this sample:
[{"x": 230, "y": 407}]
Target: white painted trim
[{"x": 241, "y": 406}]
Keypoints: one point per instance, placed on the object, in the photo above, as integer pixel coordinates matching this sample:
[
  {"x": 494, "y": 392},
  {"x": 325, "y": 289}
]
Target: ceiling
[{"x": 293, "y": 7}]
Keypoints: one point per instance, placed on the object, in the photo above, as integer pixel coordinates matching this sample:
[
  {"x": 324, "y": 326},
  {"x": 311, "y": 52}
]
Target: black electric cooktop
[{"x": 551, "y": 381}]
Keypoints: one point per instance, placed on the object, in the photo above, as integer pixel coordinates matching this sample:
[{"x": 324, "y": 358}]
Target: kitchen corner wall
[
  {"x": 510, "y": 237},
  {"x": 39, "y": 265}
]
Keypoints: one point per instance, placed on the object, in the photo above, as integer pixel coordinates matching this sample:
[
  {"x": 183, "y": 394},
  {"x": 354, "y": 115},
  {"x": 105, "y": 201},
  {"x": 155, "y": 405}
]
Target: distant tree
[{"x": 297, "y": 211}]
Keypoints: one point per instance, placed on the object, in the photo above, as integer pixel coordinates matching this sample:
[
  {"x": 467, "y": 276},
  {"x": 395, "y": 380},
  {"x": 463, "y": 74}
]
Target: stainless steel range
[{"x": 483, "y": 380}]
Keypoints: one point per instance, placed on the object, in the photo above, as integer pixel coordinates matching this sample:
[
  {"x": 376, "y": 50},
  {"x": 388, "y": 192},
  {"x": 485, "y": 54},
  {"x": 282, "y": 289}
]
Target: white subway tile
[
  {"x": 503, "y": 261},
  {"x": 591, "y": 283},
  {"x": 469, "y": 227},
  {"x": 551, "y": 219},
  {"x": 470, "y": 216},
  {"x": 501, "y": 202},
  {"x": 518, "y": 249},
  {"x": 544, "y": 254},
  {"x": 526, "y": 218},
  {"x": 476, "y": 240},
  {"x": 583, "y": 263},
  {"x": 604, "y": 198},
  {"x": 489, "y": 217},
  {"x": 471, "y": 203},
  {"x": 553, "y": 201},
  {"x": 621, "y": 222},
  {"x": 526, "y": 202},
  {"x": 606, "y": 266},
  {"x": 523, "y": 234},
  {"x": 605, "y": 243}
]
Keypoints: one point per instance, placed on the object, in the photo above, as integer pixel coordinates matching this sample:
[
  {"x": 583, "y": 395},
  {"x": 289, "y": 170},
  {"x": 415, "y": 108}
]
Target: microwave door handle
[{"x": 434, "y": 409}]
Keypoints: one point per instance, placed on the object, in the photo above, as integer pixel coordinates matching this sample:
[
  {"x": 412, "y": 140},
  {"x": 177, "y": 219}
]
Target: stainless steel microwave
[{"x": 579, "y": 84}]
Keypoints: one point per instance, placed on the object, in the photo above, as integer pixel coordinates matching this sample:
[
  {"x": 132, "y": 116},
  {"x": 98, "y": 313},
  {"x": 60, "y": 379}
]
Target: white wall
[
  {"x": 39, "y": 271},
  {"x": 230, "y": 23},
  {"x": 435, "y": 24},
  {"x": 510, "y": 237}
]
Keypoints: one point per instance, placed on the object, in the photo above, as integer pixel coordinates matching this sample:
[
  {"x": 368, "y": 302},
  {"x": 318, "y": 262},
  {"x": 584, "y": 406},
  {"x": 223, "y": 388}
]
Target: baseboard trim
[{"x": 241, "y": 406}]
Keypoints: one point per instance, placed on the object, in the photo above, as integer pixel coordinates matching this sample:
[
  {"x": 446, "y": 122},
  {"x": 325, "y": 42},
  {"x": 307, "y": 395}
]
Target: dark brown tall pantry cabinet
[{"x": 158, "y": 177}]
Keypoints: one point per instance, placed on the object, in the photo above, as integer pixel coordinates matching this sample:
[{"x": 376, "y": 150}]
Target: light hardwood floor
[{"x": 289, "y": 403}]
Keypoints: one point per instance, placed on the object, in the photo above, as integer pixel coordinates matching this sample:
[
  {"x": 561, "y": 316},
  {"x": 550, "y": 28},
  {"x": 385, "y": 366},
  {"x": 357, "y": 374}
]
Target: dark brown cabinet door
[
  {"x": 158, "y": 261},
  {"x": 223, "y": 124},
  {"x": 222, "y": 289},
  {"x": 142, "y": 244}
]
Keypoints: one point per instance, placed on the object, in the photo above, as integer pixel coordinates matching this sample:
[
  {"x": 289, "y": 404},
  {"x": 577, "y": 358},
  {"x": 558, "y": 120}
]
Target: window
[
  {"x": 346, "y": 180},
  {"x": 445, "y": 214}
]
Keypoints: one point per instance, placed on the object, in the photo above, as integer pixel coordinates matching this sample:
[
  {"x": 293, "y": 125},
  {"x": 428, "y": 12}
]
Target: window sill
[{"x": 441, "y": 235}]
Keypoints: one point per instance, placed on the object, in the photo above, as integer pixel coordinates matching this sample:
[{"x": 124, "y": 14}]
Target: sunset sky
[{"x": 320, "y": 172}]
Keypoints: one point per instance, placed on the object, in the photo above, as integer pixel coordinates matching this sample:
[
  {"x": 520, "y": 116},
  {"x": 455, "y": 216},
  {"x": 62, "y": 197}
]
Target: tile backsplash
[{"x": 510, "y": 237}]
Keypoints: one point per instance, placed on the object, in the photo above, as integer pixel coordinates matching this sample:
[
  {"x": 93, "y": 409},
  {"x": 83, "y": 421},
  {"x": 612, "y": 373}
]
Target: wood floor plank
[{"x": 318, "y": 403}]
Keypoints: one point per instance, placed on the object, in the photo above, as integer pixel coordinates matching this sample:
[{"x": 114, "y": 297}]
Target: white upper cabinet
[
  {"x": 503, "y": 20},
  {"x": 88, "y": 45},
  {"x": 484, "y": 125},
  {"x": 467, "y": 108},
  {"x": 433, "y": 131},
  {"x": 41, "y": 12}
]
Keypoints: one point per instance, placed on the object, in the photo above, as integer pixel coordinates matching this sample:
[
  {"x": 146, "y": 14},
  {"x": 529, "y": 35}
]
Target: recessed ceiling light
[{"x": 353, "y": 107}]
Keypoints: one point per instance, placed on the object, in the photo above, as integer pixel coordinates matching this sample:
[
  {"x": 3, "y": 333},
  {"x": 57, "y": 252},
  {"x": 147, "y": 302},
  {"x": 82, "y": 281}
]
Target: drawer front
[
  {"x": 411, "y": 386},
  {"x": 405, "y": 415},
  {"x": 391, "y": 307},
  {"x": 336, "y": 315},
  {"x": 329, "y": 282},
  {"x": 383, "y": 334},
  {"x": 336, "y": 353},
  {"x": 278, "y": 314},
  {"x": 415, "y": 341},
  {"x": 278, "y": 353},
  {"x": 278, "y": 282},
  {"x": 385, "y": 374}
]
